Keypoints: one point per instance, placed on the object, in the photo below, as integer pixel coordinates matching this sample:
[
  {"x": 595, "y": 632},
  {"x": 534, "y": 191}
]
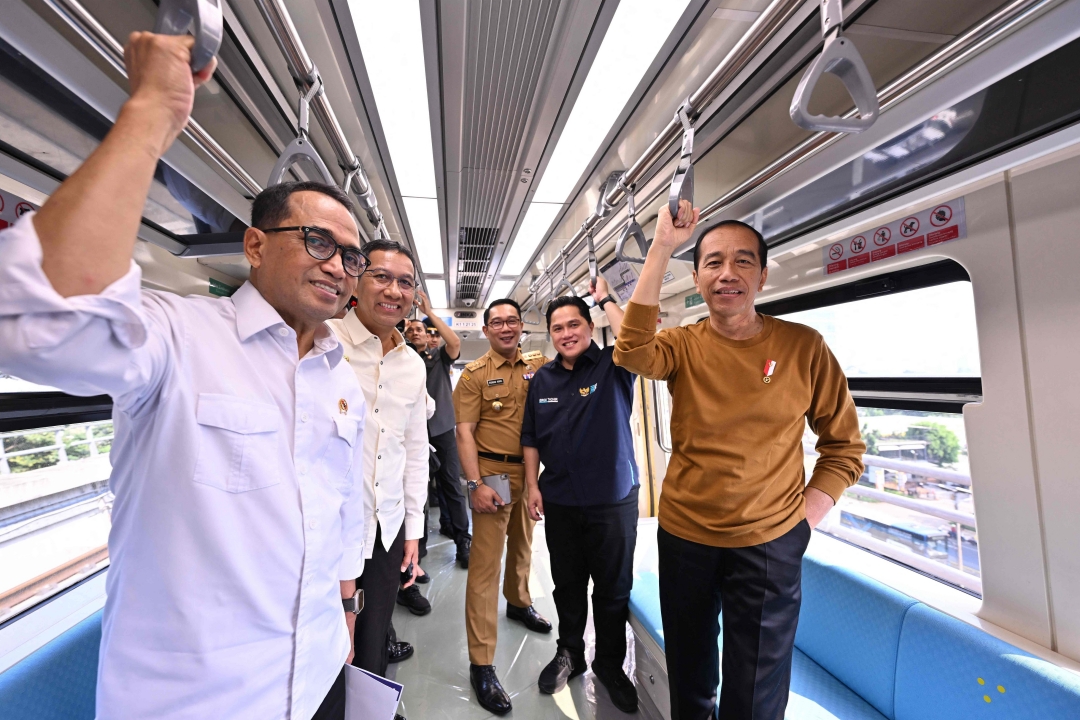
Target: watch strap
[{"x": 604, "y": 300}]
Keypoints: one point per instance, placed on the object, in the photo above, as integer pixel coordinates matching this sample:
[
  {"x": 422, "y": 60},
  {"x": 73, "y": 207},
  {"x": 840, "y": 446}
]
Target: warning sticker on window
[
  {"x": 932, "y": 226},
  {"x": 12, "y": 208}
]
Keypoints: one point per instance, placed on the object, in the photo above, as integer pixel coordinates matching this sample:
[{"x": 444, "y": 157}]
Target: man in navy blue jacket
[{"x": 577, "y": 422}]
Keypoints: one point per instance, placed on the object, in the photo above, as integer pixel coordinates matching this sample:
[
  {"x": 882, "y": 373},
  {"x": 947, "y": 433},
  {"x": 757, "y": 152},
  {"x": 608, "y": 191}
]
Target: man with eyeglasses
[
  {"x": 489, "y": 403},
  {"x": 441, "y": 427},
  {"x": 238, "y": 527},
  {"x": 394, "y": 381}
]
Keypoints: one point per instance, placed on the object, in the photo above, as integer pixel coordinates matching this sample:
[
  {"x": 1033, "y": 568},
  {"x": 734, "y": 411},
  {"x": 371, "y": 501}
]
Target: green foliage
[
  {"x": 942, "y": 445},
  {"x": 871, "y": 438},
  {"x": 33, "y": 461}
]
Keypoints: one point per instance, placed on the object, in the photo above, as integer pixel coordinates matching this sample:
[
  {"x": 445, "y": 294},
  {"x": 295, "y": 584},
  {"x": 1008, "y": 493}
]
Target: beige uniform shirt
[{"x": 491, "y": 393}]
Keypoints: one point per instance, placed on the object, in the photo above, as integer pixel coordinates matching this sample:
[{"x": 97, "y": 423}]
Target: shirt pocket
[
  {"x": 337, "y": 461},
  {"x": 238, "y": 443},
  {"x": 500, "y": 393}
]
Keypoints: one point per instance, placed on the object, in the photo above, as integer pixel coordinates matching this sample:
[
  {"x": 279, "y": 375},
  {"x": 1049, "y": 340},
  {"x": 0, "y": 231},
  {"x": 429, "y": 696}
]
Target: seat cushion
[
  {"x": 948, "y": 669},
  {"x": 817, "y": 695},
  {"x": 58, "y": 681},
  {"x": 645, "y": 604},
  {"x": 850, "y": 626}
]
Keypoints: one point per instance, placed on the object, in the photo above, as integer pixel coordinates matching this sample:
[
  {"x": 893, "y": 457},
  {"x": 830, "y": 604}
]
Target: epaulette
[
  {"x": 476, "y": 364},
  {"x": 533, "y": 355}
]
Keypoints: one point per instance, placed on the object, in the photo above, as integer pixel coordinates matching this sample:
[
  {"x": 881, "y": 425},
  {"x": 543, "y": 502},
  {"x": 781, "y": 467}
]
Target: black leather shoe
[
  {"x": 446, "y": 531},
  {"x": 464, "y": 547},
  {"x": 622, "y": 691},
  {"x": 399, "y": 650},
  {"x": 489, "y": 691},
  {"x": 529, "y": 618},
  {"x": 411, "y": 598},
  {"x": 423, "y": 579},
  {"x": 564, "y": 667}
]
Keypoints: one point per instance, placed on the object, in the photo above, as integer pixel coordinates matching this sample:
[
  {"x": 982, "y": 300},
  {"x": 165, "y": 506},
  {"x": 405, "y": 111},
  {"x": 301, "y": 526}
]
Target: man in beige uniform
[{"x": 489, "y": 403}]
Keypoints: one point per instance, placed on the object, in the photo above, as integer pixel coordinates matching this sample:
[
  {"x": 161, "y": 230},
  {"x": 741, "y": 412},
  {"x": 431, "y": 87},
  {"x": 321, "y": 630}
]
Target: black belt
[{"x": 502, "y": 458}]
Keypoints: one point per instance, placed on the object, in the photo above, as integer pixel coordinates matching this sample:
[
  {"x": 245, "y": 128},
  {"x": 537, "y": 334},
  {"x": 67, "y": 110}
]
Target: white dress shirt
[
  {"x": 236, "y": 510},
  {"x": 396, "y": 442}
]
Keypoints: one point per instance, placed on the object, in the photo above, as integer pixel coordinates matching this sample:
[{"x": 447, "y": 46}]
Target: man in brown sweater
[{"x": 735, "y": 510}]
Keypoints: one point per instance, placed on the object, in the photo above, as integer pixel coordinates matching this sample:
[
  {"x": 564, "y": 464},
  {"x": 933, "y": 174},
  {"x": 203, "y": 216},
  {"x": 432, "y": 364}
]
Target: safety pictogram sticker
[
  {"x": 23, "y": 208},
  {"x": 917, "y": 231},
  {"x": 941, "y": 216},
  {"x": 909, "y": 226}
]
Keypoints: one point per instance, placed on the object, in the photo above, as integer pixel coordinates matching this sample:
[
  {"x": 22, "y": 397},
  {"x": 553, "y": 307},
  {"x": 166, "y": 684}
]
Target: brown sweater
[{"x": 736, "y": 474}]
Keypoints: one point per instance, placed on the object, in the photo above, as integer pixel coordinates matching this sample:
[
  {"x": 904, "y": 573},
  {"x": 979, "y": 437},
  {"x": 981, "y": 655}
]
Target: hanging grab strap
[
  {"x": 367, "y": 200},
  {"x": 602, "y": 207},
  {"x": 532, "y": 309},
  {"x": 632, "y": 231},
  {"x": 682, "y": 183},
  {"x": 842, "y": 59},
  {"x": 564, "y": 281},
  {"x": 591, "y": 249},
  {"x": 301, "y": 147},
  {"x": 199, "y": 18}
]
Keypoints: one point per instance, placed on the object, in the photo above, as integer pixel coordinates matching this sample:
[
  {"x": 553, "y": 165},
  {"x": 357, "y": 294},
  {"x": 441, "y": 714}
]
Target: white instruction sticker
[{"x": 932, "y": 226}]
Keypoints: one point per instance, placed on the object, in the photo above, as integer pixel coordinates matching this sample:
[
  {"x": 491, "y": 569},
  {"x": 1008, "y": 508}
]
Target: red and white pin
[{"x": 770, "y": 366}]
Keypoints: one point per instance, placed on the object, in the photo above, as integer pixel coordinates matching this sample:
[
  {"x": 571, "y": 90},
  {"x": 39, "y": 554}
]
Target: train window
[
  {"x": 913, "y": 503},
  {"x": 926, "y": 332},
  {"x": 55, "y": 504}
]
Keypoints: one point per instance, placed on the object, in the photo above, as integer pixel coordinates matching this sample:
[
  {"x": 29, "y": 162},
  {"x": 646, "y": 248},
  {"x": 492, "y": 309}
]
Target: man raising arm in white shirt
[{"x": 237, "y": 526}]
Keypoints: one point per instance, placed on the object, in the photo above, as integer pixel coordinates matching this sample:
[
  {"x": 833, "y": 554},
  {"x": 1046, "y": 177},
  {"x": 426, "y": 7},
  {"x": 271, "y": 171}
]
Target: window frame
[{"x": 931, "y": 394}]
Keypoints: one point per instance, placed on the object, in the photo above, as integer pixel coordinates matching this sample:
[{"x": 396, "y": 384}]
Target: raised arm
[
  {"x": 88, "y": 227},
  {"x": 599, "y": 291},
  {"x": 639, "y": 348},
  {"x": 453, "y": 342}
]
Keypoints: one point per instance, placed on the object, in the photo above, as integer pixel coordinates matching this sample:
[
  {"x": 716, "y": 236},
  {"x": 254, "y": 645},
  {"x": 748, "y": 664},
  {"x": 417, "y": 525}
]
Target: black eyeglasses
[{"x": 321, "y": 245}]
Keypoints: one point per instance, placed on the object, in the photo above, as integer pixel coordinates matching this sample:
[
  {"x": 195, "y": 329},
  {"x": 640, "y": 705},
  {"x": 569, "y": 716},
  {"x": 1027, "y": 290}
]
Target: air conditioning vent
[{"x": 475, "y": 246}]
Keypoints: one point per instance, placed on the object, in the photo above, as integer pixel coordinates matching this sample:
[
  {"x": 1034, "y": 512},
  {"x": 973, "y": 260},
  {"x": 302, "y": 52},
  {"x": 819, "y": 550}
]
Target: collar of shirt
[
  {"x": 254, "y": 314},
  {"x": 359, "y": 334},
  {"x": 498, "y": 360},
  {"x": 593, "y": 354}
]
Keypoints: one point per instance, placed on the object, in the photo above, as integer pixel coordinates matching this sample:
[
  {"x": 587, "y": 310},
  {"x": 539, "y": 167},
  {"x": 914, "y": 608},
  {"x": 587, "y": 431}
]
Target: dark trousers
[
  {"x": 446, "y": 479},
  {"x": 380, "y": 582},
  {"x": 759, "y": 591},
  {"x": 596, "y": 541},
  {"x": 333, "y": 705}
]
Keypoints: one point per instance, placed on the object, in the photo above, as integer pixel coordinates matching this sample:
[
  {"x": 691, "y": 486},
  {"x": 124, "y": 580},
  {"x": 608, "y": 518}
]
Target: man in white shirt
[
  {"x": 394, "y": 381},
  {"x": 237, "y": 526}
]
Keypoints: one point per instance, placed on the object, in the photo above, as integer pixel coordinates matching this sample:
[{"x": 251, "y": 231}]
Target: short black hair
[
  {"x": 271, "y": 206},
  {"x": 388, "y": 246},
  {"x": 762, "y": 248},
  {"x": 496, "y": 303},
  {"x": 564, "y": 301}
]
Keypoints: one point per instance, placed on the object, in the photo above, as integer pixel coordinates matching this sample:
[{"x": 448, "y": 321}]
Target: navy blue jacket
[{"x": 579, "y": 420}]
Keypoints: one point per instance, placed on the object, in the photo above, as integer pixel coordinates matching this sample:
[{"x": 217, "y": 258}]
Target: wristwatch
[
  {"x": 604, "y": 300},
  {"x": 354, "y": 604},
  {"x": 473, "y": 484}
]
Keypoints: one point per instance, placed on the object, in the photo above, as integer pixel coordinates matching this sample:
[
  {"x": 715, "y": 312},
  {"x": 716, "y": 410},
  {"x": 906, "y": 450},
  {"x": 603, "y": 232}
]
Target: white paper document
[{"x": 368, "y": 696}]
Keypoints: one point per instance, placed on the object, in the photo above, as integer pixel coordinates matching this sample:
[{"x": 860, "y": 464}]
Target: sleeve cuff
[
  {"x": 829, "y": 483},
  {"x": 352, "y": 563},
  {"x": 414, "y": 528},
  {"x": 641, "y": 317}
]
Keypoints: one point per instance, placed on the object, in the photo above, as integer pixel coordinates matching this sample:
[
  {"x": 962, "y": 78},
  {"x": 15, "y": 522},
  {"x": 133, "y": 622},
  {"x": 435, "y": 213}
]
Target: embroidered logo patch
[
  {"x": 545, "y": 401},
  {"x": 587, "y": 391}
]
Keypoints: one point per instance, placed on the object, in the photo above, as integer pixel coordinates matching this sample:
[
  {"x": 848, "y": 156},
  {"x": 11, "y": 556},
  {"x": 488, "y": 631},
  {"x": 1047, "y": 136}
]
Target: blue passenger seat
[
  {"x": 864, "y": 651},
  {"x": 57, "y": 681}
]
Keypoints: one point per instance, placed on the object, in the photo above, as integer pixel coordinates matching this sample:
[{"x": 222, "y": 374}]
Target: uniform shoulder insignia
[
  {"x": 476, "y": 364},
  {"x": 533, "y": 355}
]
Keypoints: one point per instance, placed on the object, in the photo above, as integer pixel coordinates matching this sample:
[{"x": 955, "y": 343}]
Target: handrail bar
[
  {"x": 912, "y": 504},
  {"x": 936, "y": 473},
  {"x": 930, "y": 69},
  {"x": 304, "y": 73}
]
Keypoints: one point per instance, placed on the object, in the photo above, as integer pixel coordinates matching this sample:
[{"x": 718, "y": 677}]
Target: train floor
[{"x": 436, "y": 677}]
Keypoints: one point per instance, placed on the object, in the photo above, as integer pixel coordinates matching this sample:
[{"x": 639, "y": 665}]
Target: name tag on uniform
[
  {"x": 496, "y": 381},
  {"x": 545, "y": 401}
]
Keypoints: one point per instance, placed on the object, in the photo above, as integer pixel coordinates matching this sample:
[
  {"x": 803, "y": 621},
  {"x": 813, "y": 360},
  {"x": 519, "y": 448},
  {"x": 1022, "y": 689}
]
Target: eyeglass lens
[
  {"x": 323, "y": 247},
  {"x": 509, "y": 322}
]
